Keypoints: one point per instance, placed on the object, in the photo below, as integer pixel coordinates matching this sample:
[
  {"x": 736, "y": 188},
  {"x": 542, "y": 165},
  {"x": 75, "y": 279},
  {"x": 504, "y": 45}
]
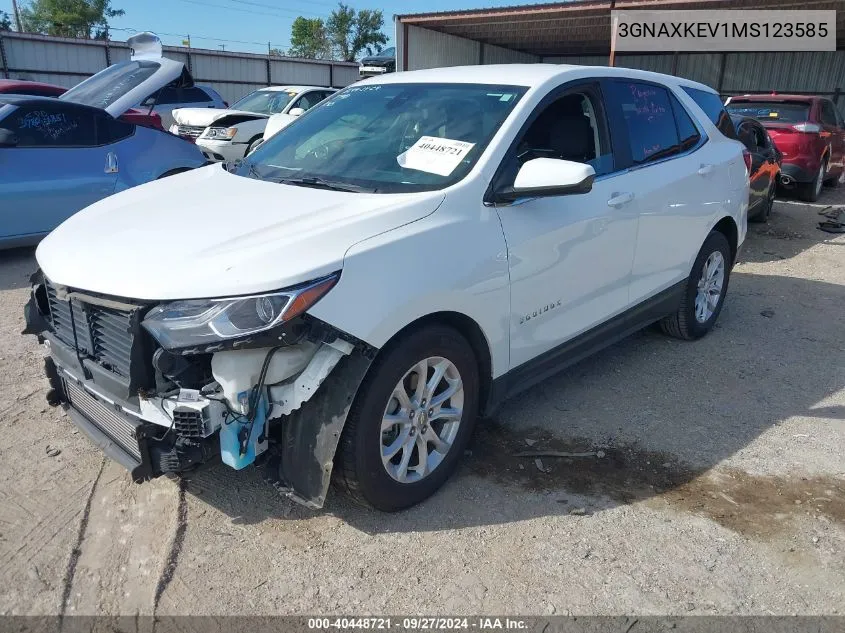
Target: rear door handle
[
  {"x": 705, "y": 169},
  {"x": 111, "y": 163},
  {"x": 620, "y": 199}
]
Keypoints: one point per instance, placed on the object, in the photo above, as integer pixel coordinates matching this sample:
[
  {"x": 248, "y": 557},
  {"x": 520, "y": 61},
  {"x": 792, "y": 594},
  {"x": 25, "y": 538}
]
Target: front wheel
[
  {"x": 411, "y": 420},
  {"x": 705, "y": 291}
]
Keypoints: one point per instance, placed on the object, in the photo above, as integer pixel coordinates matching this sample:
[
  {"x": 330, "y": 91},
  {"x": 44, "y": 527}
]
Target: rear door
[
  {"x": 57, "y": 168},
  {"x": 679, "y": 180}
]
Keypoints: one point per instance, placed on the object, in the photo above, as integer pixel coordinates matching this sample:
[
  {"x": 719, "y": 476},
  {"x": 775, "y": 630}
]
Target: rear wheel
[
  {"x": 411, "y": 420},
  {"x": 766, "y": 209},
  {"x": 812, "y": 190},
  {"x": 705, "y": 292}
]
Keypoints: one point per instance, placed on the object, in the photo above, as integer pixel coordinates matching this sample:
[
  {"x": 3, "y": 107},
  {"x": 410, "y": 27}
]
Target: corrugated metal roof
[{"x": 580, "y": 27}]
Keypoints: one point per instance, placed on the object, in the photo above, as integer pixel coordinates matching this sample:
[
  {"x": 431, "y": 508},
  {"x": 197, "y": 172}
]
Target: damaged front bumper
[{"x": 152, "y": 433}]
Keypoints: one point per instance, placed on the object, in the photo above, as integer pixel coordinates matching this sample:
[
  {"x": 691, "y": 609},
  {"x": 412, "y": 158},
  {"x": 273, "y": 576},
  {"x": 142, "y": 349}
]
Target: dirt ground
[{"x": 719, "y": 489}]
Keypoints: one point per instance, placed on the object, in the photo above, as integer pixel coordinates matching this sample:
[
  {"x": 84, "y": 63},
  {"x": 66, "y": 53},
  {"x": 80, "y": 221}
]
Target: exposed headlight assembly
[
  {"x": 220, "y": 133},
  {"x": 198, "y": 322}
]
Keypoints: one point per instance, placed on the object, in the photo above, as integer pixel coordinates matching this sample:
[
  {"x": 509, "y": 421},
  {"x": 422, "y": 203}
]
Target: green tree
[
  {"x": 69, "y": 18},
  {"x": 308, "y": 39},
  {"x": 5, "y": 21},
  {"x": 351, "y": 32}
]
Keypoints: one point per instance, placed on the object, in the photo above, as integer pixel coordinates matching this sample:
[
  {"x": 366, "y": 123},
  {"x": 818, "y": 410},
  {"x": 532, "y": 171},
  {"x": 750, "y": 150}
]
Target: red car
[
  {"x": 38, "y": 89},
  {"x": 808, "y": 131}
]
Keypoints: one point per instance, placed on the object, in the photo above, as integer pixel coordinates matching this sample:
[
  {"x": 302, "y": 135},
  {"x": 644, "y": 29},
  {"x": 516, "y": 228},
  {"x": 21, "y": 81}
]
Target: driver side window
[{"x": 573, "y": 127}]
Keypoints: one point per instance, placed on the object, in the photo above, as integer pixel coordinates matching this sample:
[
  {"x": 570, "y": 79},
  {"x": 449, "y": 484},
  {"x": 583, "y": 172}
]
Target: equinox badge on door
[{"x": 533, "y": 315}]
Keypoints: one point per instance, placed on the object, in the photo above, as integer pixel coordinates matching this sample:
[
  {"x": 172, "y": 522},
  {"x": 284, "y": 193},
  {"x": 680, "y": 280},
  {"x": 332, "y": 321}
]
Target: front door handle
[
  {"x": 705, "y": 169},
  {"x": 111, "y": 163},
  {"x": 620, "y": 199}
]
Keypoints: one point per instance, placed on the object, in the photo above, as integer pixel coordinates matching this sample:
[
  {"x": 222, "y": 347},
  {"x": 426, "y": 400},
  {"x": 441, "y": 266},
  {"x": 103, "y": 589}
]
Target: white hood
[
  {"x": 209, "y": 233},
  {"x": 207, "y": 116}
]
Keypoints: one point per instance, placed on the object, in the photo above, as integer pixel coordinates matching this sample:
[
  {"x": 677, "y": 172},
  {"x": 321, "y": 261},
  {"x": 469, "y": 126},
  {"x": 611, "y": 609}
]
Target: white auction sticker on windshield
[{"x": 434, "y": 155}]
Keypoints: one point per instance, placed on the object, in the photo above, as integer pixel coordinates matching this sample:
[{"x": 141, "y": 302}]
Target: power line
[
  {"x": 239, "y": 10},
  {"x": 270, "y": 6},
  {"x": 194, "y": 37}
]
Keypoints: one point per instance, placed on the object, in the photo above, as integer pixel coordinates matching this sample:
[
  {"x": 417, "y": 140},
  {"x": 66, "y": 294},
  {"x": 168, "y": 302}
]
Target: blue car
[{"x": 57, "y": 156}]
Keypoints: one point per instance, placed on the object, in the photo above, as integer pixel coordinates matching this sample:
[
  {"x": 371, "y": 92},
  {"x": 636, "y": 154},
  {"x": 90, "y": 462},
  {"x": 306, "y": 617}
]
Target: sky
[{"x": 248, "y": 25}]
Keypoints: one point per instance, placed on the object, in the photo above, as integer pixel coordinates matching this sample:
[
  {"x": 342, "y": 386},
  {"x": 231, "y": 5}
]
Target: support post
[
  {"x": 3, "y": 58},
  {"x": 269, "y": 56},
  {"x": 722, "y": 63},
  {"x": 614, "y": 24}
]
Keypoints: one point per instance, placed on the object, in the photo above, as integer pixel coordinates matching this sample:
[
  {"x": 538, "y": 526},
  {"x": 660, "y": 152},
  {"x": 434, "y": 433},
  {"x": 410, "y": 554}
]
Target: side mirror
[
  {"x": 8, "y": 138},
  {"x": 296, "y": 111},
  {"x": 549, "y": 177}
]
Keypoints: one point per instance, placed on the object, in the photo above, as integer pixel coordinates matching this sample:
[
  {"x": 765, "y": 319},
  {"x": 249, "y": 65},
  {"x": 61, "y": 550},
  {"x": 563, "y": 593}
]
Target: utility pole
[
  {"x": 223, "y": 46},
  {"x": 17, "y": 16}
]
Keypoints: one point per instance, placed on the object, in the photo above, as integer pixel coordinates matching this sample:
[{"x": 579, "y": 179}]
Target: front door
[{"x": 569, "y": 256}]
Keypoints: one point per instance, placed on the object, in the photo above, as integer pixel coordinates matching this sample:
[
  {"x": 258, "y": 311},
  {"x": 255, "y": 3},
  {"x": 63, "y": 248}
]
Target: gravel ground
[{"x": 721, "y": 489}]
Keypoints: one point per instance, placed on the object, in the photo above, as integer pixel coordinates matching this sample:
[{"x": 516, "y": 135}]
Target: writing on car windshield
[
  {"x": 387, "y": 138},
  {"x": 107, "y": 86}
]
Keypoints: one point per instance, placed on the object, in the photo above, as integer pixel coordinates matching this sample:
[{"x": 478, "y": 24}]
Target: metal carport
[{"x": 578, "y": 32}]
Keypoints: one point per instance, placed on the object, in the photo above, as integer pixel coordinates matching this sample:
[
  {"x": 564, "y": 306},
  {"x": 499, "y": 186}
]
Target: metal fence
[{"x": 66, "y": 61}]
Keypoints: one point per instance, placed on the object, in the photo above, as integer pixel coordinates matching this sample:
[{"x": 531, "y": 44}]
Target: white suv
[{"x": 387, "y": 269}]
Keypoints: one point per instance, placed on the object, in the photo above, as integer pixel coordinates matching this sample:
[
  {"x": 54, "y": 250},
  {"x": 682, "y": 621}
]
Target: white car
[
  {"x": 367, "y": 284},
  {"x": 231, "y": 134}
]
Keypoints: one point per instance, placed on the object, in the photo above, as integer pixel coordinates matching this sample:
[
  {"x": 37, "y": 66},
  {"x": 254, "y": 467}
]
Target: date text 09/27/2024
[{"x": 417, "y": 623}]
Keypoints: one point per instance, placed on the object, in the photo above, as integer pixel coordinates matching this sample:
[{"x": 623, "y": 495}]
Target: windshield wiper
[{"x": 319, "y": 183}]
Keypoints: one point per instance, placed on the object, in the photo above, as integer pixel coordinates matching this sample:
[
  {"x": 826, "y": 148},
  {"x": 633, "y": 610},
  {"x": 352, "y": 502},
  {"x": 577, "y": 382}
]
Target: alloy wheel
[
  {"x": 421, "y": 419},
  {"x": 710, "y": 287}
]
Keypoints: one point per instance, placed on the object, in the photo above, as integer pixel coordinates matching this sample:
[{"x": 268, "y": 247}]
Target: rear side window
[
  {"x": 111, "y": 130},
  {"x": 46, "y": 126},
  {"x": 787, "y": 112},
  {"x": 195, "y": 95},
  {"x": 687, "y": 132},
  {"x": 649, "y": 120},
  {"x": 828, "y": 113},
  {"x": 713, "y": 108}
]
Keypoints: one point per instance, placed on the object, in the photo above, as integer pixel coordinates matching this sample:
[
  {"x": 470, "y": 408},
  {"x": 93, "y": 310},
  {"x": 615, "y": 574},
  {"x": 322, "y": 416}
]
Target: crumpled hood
[
  {"x": 209, "y": 233},
  {"x": 207, "y": 116}
]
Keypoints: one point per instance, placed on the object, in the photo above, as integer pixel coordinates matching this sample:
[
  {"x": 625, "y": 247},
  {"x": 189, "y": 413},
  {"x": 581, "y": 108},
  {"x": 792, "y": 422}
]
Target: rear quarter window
[{"x": 711, "y": 103}]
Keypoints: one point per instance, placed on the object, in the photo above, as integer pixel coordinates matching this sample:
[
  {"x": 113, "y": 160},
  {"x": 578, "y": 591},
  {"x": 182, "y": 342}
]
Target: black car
[
  {"x": 764, "y": 161},
  {"x": 383, "y": 62}
]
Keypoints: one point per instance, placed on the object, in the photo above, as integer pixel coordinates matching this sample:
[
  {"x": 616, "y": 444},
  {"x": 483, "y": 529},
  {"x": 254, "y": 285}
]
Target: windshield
[
  {"x": 795, "y": 112},
  {"x": 388, "y": 52},
  {"x": 109, "y": 85},
  {"x": 264, "y": 101},
  {"x": 388, "y": 138}
]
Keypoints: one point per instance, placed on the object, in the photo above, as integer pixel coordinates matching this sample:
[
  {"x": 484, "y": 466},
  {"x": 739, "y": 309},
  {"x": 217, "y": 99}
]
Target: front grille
[
  {"x": 191, "y": 131},
  {"x": 109, "y": 421},
  {"x": 102, "y": 333},
  {"x": 188, "y": 422}
]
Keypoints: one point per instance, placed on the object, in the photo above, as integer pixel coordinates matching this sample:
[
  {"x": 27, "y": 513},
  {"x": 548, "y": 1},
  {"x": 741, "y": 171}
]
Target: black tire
[
  {"x": 253, "y": 144},
  {"x": 359, "y": 470},
  {"x": 811, "y": 191},
  {"x": 763, "y": 214},
  {"x": 683, "y": 323}
]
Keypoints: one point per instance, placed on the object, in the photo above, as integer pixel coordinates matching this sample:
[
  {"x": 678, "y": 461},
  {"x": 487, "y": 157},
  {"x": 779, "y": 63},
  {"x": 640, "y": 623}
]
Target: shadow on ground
[
  {"x": 653, "y": 414},
  {"x": 16, "y": 266}
]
